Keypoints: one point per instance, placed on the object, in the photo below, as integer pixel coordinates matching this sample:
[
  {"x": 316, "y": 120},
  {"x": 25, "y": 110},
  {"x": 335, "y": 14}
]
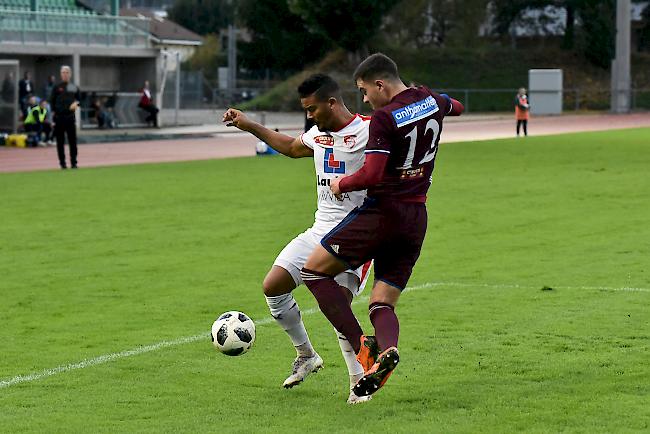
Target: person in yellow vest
[
  {"x": 36, "y": 121},
  {"x": 522, "y": 110}
]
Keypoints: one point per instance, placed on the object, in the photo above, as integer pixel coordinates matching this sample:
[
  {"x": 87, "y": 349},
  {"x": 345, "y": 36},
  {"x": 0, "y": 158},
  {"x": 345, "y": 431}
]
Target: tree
[
  {"x": 208, "y": 57},
  {"x": 408, "y": 25},
  {"x": 202, "y": 16},
  {"x": 596, "y": 31},
  {"x": 348, "y": 24},
  {"x": 421, "y": 23},
  {"x": 280, "y": 40},
  {"x": 644, "y": 34},
  {"x": 467, "y": 17}
]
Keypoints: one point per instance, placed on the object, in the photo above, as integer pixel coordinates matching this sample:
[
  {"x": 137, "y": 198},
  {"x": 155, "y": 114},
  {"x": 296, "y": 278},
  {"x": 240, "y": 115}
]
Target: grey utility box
[{"x": 545, "y": 91}]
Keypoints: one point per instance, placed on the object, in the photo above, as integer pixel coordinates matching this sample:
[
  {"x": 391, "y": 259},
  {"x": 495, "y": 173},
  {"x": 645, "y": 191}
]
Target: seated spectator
[
  {"x": 36, "y": 122},
  {"x": 97, "y": 111},
  {"x": 146, "y": 103}
]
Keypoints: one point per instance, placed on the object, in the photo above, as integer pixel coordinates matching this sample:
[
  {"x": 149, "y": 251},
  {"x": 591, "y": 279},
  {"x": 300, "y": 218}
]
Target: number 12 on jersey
[{"x": 412, "y": 137}]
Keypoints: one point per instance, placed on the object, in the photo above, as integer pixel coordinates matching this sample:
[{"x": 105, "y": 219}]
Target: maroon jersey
[{"x": 408, "y": 129}]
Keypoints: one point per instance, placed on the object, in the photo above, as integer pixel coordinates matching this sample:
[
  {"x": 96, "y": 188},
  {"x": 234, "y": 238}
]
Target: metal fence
[
  {"x": 27, "y": 27},
  {"x": 196, "y": 93},
  {"x": 495, "y": 100},
  {"x": 194, "y": 90},
  {"x": 9, "y": 107},
  {"x": 120, "y": 110}
]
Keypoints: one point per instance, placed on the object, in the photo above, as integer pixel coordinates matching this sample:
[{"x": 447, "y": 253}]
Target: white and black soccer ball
[
  {"x": 261, "y": 148},
  {"x": 233, "y": 333}
]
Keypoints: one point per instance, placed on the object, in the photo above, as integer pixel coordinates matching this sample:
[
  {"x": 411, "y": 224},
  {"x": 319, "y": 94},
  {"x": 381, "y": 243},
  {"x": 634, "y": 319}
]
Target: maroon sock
[
  {"x": 334, "y": 304},
  {"x": 386, "y": 325}
]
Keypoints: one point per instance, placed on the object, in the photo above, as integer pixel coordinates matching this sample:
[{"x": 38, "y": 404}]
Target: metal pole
[
  {"x": 16, "y": 102},
  {"x": 620, "y": 83},
  {"x": 177, "y": 92},
  {"x": 78, "y": 80},
  {"x": 232, "y": 61}
]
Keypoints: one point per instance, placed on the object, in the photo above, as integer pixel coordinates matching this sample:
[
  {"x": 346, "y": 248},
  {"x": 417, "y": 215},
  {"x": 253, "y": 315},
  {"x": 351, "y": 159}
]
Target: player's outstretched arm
[
  {"x": 287, "y": 145},
  {"x": 456, "y": 108}
]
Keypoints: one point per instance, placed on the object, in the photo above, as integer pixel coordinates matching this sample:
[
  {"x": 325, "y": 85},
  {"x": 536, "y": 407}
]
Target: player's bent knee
[
  {"x": 384, "y": 293},
  {"x": 278, "y": 281}
]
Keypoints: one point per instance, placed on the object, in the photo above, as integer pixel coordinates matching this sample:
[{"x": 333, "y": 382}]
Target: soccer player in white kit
[{"x": 336, "y": 142}]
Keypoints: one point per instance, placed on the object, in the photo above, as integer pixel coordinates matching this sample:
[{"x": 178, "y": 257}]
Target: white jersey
[{"x": 336, "y": 154}]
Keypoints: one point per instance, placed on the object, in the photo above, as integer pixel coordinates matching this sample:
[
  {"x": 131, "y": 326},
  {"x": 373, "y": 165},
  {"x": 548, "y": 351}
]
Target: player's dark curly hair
[
  {"x": 320, "y": 85},
  {"x": 376, "y": 67}
]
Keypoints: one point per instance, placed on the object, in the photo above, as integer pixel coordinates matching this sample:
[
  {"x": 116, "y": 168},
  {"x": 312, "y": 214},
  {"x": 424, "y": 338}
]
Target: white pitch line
[{"x": 189, "y": 339}]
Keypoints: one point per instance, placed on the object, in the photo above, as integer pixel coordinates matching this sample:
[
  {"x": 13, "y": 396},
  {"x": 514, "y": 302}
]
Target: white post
[
  {"x": 177, "y": 93},
  {"x": 620, "y": 84},
  {"x": 161, "y": 75},
  {"x": 76, "y": 78}
]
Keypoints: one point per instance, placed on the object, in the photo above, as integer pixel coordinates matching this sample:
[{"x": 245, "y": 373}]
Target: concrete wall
[
  {"x": 100, "y": 74},
  {"x": 134, "y": 72}
]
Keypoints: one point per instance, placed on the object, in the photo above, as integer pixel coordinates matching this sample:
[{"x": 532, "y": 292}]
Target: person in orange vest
[{"x": 522, "y": 109}]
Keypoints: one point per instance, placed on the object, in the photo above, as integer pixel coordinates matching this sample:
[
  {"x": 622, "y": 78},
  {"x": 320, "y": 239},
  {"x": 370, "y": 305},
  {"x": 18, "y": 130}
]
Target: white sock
[
  {"x": 286, "y": 312},
  {"x": 354, "y": 367}
]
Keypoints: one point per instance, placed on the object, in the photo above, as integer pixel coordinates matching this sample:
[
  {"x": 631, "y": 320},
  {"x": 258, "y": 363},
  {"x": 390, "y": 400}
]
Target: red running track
[{"x": 241, "y": 145}]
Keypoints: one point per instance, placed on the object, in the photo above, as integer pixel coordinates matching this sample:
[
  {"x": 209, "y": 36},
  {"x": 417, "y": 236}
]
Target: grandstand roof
[{"x": 163, "y": 29}]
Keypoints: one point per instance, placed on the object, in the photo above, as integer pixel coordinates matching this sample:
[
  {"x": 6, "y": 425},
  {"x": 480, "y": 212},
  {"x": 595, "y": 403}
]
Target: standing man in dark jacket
[
  {"x": 25, "y": 90},
  {"x": 64, "y": 101}
]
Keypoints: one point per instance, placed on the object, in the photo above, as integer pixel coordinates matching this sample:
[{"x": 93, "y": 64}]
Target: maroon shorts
[{"x": 390, "y": 232}]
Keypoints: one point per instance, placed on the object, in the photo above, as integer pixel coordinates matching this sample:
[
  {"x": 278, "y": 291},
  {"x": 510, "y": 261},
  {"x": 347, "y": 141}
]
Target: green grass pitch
[{"x": 102, "y": 261}]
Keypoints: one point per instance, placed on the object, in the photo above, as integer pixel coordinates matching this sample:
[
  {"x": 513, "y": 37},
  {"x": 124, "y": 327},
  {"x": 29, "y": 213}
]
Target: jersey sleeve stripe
[
  {"x": 303, "y": 142},
  {"x": 373, "y": 151}
]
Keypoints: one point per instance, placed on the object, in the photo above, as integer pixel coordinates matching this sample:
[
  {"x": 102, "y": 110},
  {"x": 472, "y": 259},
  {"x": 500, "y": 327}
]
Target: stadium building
[{"x": 111, "y": 55}]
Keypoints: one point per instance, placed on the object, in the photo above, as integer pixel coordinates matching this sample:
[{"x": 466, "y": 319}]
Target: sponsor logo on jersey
[
  {"x": 327, "y": 195},
  {"x": 350, "y": 141},
  {"x": 335, "y": 247},
  {"x": 412, "y": 173},
  {"x": 331, "y": 165},
  {"x": 416, "y": 111},
  {"x": 324, "y": 140},
  {"x": 322, "y": 182}
]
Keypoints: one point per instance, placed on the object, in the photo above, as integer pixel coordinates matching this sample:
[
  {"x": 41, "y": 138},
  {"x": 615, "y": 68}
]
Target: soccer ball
[
  {"x": 261, "y": 148},
  {"x": 233, "y": 333}
]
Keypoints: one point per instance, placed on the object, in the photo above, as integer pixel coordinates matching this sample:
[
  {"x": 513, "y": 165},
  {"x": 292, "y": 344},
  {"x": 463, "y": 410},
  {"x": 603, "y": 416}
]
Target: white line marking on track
[{"x": 34, "y": 376}]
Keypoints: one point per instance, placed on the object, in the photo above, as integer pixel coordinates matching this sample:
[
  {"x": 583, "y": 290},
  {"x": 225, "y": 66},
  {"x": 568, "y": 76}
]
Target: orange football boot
[
  {"x": 377, "y": 375},
  {"x": 368, "y": 353}
]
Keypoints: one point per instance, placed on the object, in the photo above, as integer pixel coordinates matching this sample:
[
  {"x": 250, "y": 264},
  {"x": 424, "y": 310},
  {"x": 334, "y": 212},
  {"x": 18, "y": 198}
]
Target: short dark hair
[
  {"x": 321, "y": 85},
  {"x": 376, "y": 66}
]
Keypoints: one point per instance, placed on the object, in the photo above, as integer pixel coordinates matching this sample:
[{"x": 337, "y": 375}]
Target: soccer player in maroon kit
[{"x": 391, "y": 224}]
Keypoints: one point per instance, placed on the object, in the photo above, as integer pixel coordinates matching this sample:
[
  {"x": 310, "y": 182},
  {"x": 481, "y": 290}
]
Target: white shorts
[{"x": 293, "y": 257}]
